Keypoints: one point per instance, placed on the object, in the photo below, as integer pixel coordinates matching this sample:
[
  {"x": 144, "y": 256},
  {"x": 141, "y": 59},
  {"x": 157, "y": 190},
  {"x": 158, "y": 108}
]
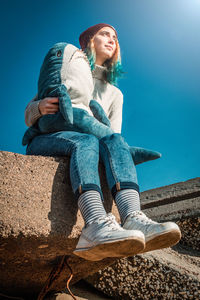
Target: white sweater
[{"x": 83, "y": 86}]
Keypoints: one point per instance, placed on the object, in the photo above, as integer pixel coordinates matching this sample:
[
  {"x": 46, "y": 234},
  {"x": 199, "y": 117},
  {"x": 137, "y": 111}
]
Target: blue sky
[{"x": 160, "y": 46}]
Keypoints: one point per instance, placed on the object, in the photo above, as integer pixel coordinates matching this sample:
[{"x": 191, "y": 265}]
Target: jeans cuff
[
  {"x": 124, "y": 185},
  {"x": 88, "y": 187}
]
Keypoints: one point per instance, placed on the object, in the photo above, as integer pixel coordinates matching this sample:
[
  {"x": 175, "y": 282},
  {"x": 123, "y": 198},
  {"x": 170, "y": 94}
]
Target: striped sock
[
  {"x": 91, "y": 206},
  {"x": 127, "y": 201}
]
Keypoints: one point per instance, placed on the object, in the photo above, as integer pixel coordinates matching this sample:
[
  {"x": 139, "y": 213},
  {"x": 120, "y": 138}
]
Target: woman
[{"x": 102, "y": 236}]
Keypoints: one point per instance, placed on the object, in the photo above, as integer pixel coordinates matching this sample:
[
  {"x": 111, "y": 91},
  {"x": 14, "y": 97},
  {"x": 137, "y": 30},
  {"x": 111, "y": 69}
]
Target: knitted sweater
[{"x": 83, "y": 86}]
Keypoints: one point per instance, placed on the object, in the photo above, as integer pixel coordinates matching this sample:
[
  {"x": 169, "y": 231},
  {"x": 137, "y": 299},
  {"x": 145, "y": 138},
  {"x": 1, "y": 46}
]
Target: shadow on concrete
[{"x": 64, "y": 208}]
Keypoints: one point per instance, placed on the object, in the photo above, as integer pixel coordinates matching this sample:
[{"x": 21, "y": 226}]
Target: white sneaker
[
  {"x": 106, "y": 238},
  {"x": 157, "y": 235}
]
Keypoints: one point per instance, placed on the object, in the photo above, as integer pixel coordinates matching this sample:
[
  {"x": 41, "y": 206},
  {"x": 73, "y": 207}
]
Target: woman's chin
[{"x": 108, "y": 56}]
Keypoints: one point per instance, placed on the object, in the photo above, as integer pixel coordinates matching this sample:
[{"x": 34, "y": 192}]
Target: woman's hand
[{"x": 48, "y": 105}]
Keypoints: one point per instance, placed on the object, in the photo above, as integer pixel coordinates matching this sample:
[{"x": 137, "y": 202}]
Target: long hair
[{"x": 113, "y": 65}]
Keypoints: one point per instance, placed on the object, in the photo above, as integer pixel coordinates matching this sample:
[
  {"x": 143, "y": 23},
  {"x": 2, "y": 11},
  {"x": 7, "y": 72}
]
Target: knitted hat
[{"x": 86, "y": 35}]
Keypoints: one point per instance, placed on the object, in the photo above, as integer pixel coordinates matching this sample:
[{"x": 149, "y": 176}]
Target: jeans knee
[
  {"x": 89, "y": 141},
  {"x": 114, "y": 138}
]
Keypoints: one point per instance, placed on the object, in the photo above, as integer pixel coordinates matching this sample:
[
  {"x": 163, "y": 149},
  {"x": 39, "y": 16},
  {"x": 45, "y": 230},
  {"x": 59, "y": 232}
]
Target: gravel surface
[{"x": 161, "y": 274}]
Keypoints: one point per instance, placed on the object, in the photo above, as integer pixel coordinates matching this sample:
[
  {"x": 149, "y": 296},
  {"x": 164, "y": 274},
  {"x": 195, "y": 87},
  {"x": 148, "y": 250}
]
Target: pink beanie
[{"x": 86, "y": 35}]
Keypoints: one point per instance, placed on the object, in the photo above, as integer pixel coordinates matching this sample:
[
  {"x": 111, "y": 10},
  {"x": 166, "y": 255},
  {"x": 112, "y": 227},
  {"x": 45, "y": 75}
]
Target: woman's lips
[{"x": 109, "y": 47}]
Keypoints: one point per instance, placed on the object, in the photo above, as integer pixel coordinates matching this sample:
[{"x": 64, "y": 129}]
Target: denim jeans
[{"x": 84, "y": 151}]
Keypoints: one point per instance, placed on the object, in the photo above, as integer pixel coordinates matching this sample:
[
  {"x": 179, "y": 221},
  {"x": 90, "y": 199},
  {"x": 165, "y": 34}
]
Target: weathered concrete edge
[
  {"x": 171, "y": 193},
  {"x": 175, "y": 211}
]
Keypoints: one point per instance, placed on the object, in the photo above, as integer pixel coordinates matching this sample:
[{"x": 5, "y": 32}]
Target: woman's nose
[{"x": 111, "y": 41}]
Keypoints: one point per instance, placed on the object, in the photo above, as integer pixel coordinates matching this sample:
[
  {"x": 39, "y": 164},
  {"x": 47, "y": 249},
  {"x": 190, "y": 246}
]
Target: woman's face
[{"x": 104, "y": 44}]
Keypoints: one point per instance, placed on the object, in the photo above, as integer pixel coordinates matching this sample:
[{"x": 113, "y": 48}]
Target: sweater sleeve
[
  {"x": 32, "y": 113},
  {"x": 115, "y": 115},
  {"x": 79, "y": 81}
]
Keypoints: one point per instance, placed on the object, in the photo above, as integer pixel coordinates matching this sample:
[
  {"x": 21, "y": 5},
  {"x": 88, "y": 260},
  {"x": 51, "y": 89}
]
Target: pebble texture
[
  {"x": 190, "y": 229},
  {"x": 161, "y": 274}
]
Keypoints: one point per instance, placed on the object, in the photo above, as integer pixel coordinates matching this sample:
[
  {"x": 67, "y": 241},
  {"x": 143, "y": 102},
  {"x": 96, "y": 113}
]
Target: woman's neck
[
  {"x": 99, "y": 72},
  {"x": 99, "y": 61}
]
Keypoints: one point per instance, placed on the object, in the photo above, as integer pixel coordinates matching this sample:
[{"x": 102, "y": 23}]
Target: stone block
[{"x": 40, "y": 223}]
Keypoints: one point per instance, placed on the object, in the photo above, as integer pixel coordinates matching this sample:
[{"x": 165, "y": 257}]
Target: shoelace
[
  {"x": 111, "y": 221},
  {"x": 139, "y": 215}
]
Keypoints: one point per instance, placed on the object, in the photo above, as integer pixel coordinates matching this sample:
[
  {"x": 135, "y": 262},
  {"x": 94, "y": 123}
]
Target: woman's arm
[
  {"x": 32, "y": 112},
  {"x": 37, "y": 108}
]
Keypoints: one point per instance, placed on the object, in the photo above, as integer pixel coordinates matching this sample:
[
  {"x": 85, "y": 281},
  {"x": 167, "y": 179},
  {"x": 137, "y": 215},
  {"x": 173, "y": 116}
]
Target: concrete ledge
[
  {"x": 175, "y": 211},
  {"x": 173, "y": 202},
  {"x": 39, "y": 223},
  {"x": 171, "y": 193}
]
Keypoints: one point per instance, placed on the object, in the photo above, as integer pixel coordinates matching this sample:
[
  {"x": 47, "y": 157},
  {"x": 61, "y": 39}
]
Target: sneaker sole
[
  {"x": 163, "y": 240},
  {"x": 119, "y": 248}
]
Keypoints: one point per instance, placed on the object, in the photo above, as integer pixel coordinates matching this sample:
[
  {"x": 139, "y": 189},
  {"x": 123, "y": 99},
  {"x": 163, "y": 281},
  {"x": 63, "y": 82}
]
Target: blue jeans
[{"x": 84, "y": 151}]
